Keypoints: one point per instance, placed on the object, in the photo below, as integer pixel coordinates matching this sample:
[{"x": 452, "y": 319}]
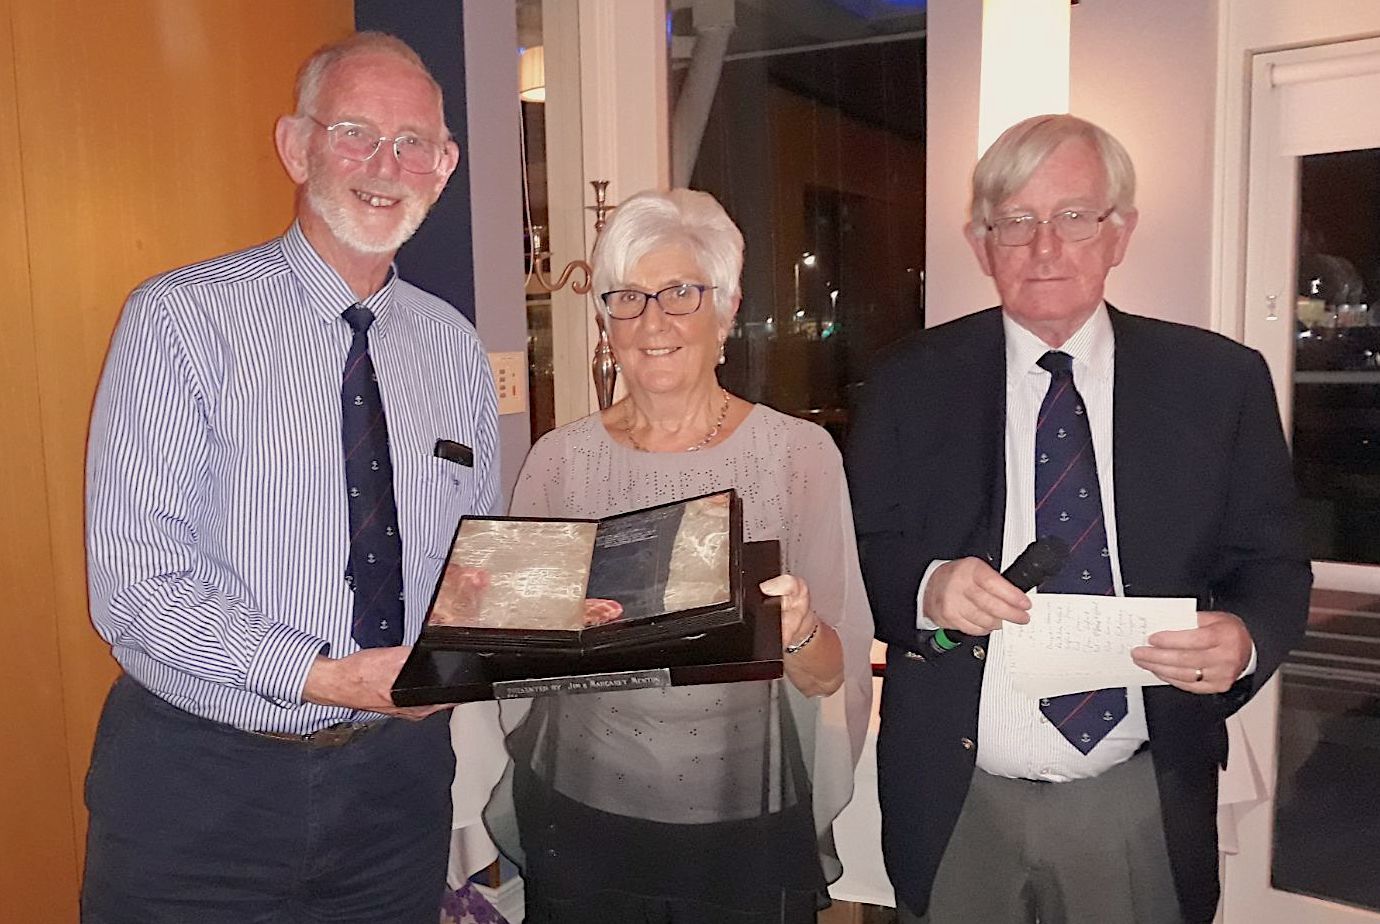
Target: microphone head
[
  {"x": 1048, "y": 554},
  {"x": 1041, "y": 559}
]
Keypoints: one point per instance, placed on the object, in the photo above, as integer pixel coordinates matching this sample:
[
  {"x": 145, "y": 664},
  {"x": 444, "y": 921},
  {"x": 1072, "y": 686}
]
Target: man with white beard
[{"x": 283, "y": 442}]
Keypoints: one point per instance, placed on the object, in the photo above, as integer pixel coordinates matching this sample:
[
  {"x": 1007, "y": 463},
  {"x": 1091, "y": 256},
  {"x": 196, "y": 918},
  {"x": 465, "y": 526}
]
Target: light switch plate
[{"x": 510, "y": 377}]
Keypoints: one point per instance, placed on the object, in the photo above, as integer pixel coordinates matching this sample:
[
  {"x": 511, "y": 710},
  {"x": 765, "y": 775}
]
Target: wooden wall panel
[
  {"x": 36, "y": 811},
  {"x": 144, "y": 133}
]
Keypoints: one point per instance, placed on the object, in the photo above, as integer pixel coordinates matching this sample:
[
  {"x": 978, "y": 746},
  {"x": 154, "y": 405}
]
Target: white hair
[
  {"x": 653, "y": 220},
  {"x": 1018, "y": 152},
  {"x": 313, "y": 72}
]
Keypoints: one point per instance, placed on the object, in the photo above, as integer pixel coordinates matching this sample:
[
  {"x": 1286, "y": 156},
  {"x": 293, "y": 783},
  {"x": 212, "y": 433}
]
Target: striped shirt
[{"x": 217, "y": 522}]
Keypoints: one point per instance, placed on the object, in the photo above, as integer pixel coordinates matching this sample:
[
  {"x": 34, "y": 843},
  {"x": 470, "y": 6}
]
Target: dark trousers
[{"x": 194, "y": 821}]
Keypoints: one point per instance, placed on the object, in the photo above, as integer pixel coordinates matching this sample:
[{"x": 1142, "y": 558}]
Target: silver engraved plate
[{"x": 584, "y": 683}]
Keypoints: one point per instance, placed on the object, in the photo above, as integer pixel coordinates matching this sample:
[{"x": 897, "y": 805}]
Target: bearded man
[{"x": 268, "y": 508}]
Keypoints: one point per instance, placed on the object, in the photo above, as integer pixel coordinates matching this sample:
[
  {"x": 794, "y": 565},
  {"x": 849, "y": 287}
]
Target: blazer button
[
  {"x": 979, "y": 652},
  {"x": 967, "y": 743}
]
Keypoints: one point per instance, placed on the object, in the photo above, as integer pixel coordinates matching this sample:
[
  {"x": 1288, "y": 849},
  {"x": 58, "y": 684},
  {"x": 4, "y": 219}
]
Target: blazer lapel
[
  {"x": 1142, "y": 433},
  {"x": 978, "y": 390}
]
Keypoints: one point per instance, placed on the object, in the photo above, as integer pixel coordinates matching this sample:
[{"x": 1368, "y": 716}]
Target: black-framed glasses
[
  {"x": 1071, "y": 226},
  {"x": 361, "y": 141},
  {"x": 679, "y": 299}
]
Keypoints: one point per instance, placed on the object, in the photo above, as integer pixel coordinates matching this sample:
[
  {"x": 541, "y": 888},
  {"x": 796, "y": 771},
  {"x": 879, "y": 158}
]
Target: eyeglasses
[
  {"x": 360, "y": 141},
  {"x": 1071, "y": 225},
  {"x": 682, "y": 298}
]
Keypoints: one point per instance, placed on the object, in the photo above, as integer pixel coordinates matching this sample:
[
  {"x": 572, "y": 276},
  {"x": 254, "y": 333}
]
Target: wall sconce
[
  {"x": 1025, "y": 63},
  {"x": 603, "y": 368}
]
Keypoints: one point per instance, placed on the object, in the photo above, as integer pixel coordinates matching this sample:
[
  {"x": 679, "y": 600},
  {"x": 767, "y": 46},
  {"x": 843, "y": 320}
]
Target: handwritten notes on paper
[{"x": 1076, "y": 642}]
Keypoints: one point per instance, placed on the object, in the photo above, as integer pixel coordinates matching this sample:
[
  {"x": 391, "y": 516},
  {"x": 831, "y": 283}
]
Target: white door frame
[
  {"x": 616, "y": 54},
  {"x": 1257, "y": 214}
]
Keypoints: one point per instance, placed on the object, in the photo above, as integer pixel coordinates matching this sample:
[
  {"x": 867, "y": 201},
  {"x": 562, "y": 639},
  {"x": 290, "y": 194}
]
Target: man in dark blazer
[{"x": 1098, "y": 807}]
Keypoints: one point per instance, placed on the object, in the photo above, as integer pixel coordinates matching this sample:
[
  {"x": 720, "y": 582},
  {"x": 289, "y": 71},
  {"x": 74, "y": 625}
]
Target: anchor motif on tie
[
  {"x": 1044, "y": 457},
  {"x": 1105, "y": 553},
  {"x": 358, "y": 400},
  {"x": 1061, "y": 433},
  {"x": 1063, "y": 516},
  {"x": 371, "y": 558},
  {"x": 383, "y": 624},
  {"x": 354, "y": 492},
  {"x": 1085, "y": 737},
  {"x": 1082, "y": 492},
  {"x": 388, "y": 531},
  {"x": 1078, "y": 410},
  {"x": 1108, "y": 717},
  {"x": 1086, "y": 575},
  {"x": 1044, "y": 702},
  {"x": 374, "y": 465}
]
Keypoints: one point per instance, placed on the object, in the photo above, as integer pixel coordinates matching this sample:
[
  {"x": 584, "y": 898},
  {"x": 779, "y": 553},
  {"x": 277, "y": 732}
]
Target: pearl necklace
[{"x": 708, "y": 437}]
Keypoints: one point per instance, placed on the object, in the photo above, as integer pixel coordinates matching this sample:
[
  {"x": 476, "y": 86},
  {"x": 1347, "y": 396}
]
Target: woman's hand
[
  {"x": 813, "y": 655},
  {"x": 796, "y": 619}
]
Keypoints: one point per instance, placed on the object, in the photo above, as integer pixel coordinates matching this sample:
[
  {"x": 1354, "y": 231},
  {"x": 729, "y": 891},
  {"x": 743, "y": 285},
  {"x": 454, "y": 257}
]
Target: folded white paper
[{"x": 1077, "y": 642}]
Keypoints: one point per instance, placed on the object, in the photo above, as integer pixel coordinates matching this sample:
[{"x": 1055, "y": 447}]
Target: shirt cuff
[
  {"x": 1250, "y": 665},
  {"x": 279, "y": 669},
  {"x": 923, "y": 622}
]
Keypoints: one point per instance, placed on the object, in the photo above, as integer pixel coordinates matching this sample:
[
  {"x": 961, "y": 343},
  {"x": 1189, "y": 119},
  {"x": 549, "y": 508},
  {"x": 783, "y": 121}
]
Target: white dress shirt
[{"x": 1014, "y": 738}]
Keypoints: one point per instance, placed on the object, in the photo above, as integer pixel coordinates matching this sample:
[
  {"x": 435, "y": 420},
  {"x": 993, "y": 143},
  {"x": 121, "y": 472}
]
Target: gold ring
[{"x": 1197, "y": 675}]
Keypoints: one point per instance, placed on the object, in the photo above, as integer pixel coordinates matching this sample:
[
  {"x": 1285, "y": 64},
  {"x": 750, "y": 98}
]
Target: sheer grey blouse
[{"x": 704, "y": 754}]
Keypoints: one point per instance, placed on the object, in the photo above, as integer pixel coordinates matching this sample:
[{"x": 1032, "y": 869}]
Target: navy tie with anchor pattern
[
  {"x": 1068, "y": 504},
  {"x": 374, "y": 571}
]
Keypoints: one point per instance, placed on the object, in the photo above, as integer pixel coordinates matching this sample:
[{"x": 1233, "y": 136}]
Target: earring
[
  {"x": 722, "y": 358},
  {"x": 617, "y": 366}
]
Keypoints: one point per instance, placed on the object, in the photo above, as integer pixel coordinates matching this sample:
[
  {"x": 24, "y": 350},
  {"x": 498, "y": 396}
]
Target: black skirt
[{"x": 586, "y": 865}]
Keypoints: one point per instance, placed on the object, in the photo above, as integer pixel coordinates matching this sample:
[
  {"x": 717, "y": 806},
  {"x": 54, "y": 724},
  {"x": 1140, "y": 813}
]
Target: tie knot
[
  {"x": 358, "y": 317},
  {"x": 1056, "y": 362}
]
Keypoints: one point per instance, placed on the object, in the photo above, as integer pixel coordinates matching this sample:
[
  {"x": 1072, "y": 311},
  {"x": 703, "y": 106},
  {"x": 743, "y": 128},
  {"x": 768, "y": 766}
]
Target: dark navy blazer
[{"x": 1205, "y": 507}]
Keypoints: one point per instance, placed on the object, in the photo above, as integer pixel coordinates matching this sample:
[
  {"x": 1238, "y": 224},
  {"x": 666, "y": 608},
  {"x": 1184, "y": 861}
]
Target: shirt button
[
  {"x": 979, "y": 652},
  {"x": 1046, "y": 771},
  {"x": 1043, "y": 720},
  {"x": 967, "y": 743}
]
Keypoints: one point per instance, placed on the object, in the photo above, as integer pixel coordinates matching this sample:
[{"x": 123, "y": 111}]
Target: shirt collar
[
  {"x": 1091, "y": 347},
  {"x": 326, "y": 292}
]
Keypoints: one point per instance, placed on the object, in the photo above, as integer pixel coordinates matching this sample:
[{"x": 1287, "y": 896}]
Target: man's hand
[
  {"x": 362, "y": 680},
  {"x": 1208, "y": 659},
  {"x": 969, "y": 596}
]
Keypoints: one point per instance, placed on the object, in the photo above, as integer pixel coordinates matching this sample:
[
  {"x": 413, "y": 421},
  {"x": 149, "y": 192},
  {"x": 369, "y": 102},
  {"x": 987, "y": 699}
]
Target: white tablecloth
[{"x": 479, "y": 760}]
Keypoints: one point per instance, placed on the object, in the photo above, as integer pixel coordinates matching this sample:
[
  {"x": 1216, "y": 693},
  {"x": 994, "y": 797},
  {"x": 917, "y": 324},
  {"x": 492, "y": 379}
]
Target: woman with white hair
[{"x": 701, "y": 804}]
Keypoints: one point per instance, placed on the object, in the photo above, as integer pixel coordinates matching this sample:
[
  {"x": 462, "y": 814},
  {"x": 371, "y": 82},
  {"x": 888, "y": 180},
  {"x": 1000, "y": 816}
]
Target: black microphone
[{"x": 1041, "y": 559}]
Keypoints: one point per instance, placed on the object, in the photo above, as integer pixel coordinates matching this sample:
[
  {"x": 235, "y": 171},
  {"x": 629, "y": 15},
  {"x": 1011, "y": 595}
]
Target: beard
[{"x": 334, "y": 200}]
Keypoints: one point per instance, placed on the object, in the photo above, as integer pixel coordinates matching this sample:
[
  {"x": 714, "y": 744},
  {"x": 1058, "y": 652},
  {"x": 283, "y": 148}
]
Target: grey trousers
[{"x": 1084, "y": 852}]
